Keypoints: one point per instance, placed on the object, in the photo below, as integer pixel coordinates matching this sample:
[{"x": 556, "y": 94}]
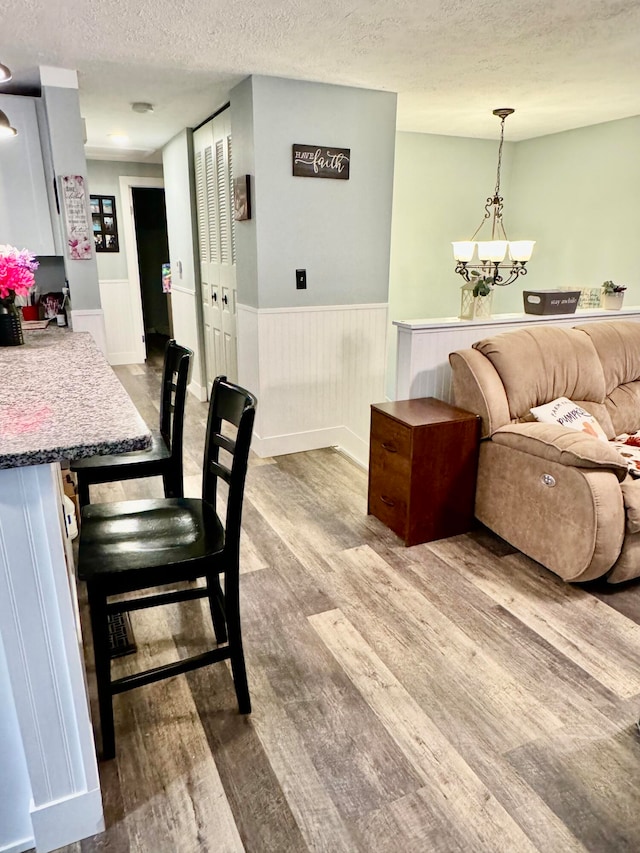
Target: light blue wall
[
  {"x": 242, "y": 136},
  {"x": 339, "y": 231},
  {"x": 64, "y": 125},
  {"x": 103, "y": 178}
]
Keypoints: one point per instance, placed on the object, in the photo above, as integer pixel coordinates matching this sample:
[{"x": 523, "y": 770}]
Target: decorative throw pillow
[
  {"x": 628, "y": 446},
  {"x": 568, "y": 414}
]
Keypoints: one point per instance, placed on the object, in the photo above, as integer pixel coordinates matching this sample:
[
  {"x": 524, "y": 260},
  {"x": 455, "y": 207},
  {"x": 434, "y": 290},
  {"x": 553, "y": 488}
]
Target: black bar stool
[
  {"x": 129, "y": 546},
  {"x": 164, "y": 457}
]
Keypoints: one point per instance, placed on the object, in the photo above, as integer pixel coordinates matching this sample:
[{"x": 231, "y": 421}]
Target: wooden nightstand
[{"x": 422, "y": 468}]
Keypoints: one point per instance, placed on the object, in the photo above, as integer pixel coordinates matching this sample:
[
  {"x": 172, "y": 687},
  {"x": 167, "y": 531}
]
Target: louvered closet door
[{"x": 216, "y": 237}]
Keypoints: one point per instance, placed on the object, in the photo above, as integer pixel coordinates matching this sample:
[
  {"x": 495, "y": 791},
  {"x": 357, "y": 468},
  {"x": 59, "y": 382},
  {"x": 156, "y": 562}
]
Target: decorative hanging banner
[
  {"x": 76, "y": 220},
  {"x": 316, "y": 161}
]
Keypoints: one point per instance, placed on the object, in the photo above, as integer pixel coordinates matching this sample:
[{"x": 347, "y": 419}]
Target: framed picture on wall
[
  {"x": 242, "y": 198},
  {"x": 104, "y": 224}
]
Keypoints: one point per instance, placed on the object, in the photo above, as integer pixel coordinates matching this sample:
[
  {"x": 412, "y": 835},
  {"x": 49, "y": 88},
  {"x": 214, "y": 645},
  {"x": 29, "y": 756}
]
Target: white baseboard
[
  {"x": 19, "y": 846},
  {"x": 198, "y": 391},
  {"x": 65, "y": 821},
  {"x": 341, "y": 437},
  {"x": 91, "y": 320}
]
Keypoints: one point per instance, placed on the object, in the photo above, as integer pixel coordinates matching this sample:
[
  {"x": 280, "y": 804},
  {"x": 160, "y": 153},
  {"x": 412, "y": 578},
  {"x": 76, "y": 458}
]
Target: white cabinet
[{"x": 25, "y": 219}]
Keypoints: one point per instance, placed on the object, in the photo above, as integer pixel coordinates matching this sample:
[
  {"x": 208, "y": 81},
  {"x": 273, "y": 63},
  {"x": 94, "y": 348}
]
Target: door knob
[
  {"x": 214, "y": 296},
  {"x": 225, "y": 300}
]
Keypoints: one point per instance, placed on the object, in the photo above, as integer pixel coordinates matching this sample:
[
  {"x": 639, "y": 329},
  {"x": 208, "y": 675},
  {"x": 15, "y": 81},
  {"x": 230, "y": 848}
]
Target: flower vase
[
  {"x": 474, "y": 307},
  {"x": 10, "y": 324},
  {"x": 612, "y": 301}
]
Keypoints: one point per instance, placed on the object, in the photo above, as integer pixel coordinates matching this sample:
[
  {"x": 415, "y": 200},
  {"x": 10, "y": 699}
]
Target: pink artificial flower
[{"x": 16, "y": 271}]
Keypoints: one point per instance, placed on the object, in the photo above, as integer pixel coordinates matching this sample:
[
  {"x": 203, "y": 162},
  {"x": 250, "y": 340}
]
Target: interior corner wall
[
  {"x": 103, "y": 178},
  {"x": 440, "y": 187},
  {"x": 66, "y": 149},
  {"x": 314, "y": 357},
  {"x": 242, "y": 135},
  {"x": 576, "y": 193},
  {"x": 186, "y": 306}
]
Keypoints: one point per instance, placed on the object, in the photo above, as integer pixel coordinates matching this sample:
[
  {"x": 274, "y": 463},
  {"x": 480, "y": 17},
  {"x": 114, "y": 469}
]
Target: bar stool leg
[
  {"x": 238, "y": 667},
  {"x": 216, "y": 599},
  {"x": 83, "y": 491},
  {"x": 100, "y": 633}
]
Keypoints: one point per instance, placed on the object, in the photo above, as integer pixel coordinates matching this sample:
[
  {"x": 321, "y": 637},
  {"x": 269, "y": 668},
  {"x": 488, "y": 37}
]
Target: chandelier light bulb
[{"x": 5, "y": 74}]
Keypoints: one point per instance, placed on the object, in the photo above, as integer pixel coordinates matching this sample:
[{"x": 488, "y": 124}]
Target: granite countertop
[{"x": 59, "y": 399}]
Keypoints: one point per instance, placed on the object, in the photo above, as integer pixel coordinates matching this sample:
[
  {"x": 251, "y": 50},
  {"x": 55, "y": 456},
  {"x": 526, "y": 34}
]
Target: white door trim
[{"x": 127, "y": 184}]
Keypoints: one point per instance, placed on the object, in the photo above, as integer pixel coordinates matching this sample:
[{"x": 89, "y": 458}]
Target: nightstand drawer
[
  {"x": 390, "y": 437},
  {"x": 389, "y": 505}
]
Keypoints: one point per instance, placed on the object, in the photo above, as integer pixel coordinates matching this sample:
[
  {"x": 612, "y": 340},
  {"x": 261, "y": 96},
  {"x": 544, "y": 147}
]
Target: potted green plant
[{"x": 612, "y": 296}]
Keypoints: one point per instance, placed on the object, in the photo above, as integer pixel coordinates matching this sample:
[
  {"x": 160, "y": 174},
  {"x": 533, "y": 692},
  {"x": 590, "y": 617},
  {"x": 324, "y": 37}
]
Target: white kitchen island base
[{"x": 39, "y": 632}]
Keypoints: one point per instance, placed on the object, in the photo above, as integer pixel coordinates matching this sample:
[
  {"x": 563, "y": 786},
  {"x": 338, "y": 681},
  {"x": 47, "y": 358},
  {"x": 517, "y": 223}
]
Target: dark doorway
[{"x": 150, "y": 219}]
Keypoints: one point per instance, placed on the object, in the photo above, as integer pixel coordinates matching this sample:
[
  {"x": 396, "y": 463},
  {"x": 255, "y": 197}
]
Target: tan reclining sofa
[{"x": 560, "y": 496}]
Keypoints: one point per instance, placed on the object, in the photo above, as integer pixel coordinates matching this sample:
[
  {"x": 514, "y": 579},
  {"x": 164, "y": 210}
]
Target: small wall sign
[
  {"x": 317, "y": 161},
  {"x": 75, "y": 217}
]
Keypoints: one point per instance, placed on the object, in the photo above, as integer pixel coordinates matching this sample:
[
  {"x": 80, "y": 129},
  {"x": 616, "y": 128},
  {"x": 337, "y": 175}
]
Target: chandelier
[{"x": 491, "y": 265}]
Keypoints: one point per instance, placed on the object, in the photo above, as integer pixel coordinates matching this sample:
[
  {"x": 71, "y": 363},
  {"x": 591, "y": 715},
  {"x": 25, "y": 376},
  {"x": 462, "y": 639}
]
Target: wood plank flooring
[{"x": 449, "y": 697}]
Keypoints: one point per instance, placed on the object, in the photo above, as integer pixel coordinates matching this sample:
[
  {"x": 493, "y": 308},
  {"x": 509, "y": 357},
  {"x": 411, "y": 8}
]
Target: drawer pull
[
  {"x": 387, "y": 501},
  {"x": 390, "y": 448}
]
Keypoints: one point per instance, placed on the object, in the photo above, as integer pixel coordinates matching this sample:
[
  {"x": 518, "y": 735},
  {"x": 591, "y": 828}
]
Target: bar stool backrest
[{"x": 234, "y": 406}]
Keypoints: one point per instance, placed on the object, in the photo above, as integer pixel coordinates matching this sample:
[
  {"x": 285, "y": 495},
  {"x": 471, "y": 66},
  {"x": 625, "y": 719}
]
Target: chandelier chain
[{"x": 500, "y": 155}]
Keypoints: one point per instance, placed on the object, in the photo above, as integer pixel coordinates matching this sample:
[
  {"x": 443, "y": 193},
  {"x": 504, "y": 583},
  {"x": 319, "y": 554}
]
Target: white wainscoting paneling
[
  {"x": 44, "y": 659},
  {"x": 315, "y": 371},
  {"x": 121, "y": 329},
  {"x": 90, "y": 320},
  {"x": 185, "y": 313},
  {"x": 424, "y": 345}
]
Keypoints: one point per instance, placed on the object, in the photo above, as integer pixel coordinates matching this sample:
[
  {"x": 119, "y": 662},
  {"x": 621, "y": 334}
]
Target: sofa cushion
[
  {"x": 631, "y": 496},
  {"x": 623, "y": 406},
  {"x": 542, "y": 363},
  {"x": 559, "y": 444},
  {"x": 569, "y": 414},
  {"x": 617, "y": 344}
]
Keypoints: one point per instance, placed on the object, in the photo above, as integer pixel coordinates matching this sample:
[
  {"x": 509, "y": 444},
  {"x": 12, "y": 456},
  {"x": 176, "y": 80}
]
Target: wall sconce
[{"x": 491, "y": 253}]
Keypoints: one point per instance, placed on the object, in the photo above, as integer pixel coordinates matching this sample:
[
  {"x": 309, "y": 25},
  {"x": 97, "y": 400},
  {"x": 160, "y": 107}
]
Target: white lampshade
[
  {"x": 463, "y": 250},
  {"x": 521, "y": 250},
  {"x": 492, "y": 250}
]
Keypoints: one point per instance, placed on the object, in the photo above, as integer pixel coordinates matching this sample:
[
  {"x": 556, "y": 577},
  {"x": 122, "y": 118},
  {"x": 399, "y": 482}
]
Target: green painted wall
[
  {"x": 440, "y": 186},
  {"x": 578, "y": 194}
]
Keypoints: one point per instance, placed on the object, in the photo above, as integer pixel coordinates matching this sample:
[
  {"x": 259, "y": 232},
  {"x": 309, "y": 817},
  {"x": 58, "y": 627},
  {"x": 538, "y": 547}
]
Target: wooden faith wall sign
[{"x": 316, "y": 161}]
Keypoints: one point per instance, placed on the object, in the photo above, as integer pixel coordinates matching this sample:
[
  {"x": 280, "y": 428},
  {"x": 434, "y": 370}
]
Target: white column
[{"x": 41, "y": 638}]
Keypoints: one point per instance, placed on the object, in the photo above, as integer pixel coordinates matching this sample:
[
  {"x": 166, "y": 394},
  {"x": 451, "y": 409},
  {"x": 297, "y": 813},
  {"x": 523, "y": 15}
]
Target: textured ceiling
[{"x": 561, "y": 65}]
